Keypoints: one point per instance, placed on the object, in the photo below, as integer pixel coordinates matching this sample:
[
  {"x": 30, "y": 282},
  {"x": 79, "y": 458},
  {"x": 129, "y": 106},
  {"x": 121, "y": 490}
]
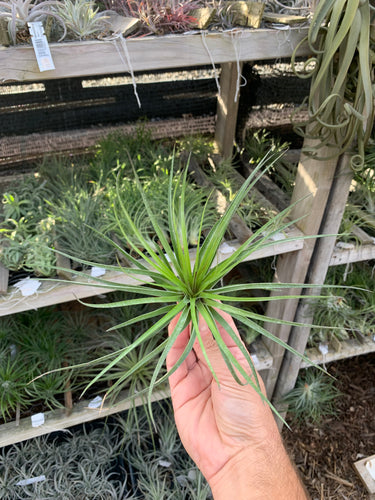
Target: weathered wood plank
[
  {"x": 317, "y": 271},
  {"x": 151, "y": 53},
  {"x": 227, "y": 108},
  {"x": 356, "y": 254},
  {"x": 4, "y": 275},
  {"x": 312, "y": 188},
  {"x": 364, "y": 474},
  {"x": 57, "y": 420},
  {"x": 79, "y": 413},
  {"x": 348, "y": 348},
  {"x": 53, "y": 292}
]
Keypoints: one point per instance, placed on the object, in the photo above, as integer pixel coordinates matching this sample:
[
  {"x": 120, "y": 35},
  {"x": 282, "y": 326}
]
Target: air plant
[
  {"x": 20, "y": 12},
  {"x": 334, "y": 310},
  {"x": 26, "y": 229},
  {"x": 340, "y": 103},
  {"x": 47, "y": 389},
  {"x": 190, "y": 291},
  {"x": 82, "y": 18},
  {"x": 81, "y": 212},
  {"x": 130, "y": 372},
  {"x": 225, "y": 177},
  {"x": 14, "y": 375},
  {"x": 313, "y": 397},
  {"x": 256, "y": 146}
]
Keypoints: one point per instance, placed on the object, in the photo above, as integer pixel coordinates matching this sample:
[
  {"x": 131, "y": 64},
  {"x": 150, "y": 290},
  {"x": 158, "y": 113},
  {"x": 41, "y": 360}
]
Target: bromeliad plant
[
  {"x": 312, "y": 398},
  {"x": 340, "y": 104},
  {"x": 190, "y": 290}
]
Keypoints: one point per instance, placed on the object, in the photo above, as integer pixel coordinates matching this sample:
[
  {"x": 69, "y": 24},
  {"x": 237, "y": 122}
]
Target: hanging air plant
[{"x": 340, "y": 104}]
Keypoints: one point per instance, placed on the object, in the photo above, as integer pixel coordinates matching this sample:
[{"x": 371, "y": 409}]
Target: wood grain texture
[
  {"x": 312, "y": 188},
  {"x": 150, "y": 53}
]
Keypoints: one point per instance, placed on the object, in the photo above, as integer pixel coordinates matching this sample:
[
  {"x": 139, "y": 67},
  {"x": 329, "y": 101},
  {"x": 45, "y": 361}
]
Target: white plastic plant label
[
  {"x": 37, "y": 420},
  {"x": 96, "y": 402},
  {"x": 226, "y": 248},
  {"x": 41, "y": 47},
  {"x": 97, "y": 271},
  {"x": 31, "y": 480},
  {"x": 344, "y": 245},
  {"x": 255, "y": 359},
  {"x": 323, "y": 348},
  {"x": 164, "y": 463},
  {"x": 27, "y": 286},
  {"x": 278, "y": 237}
]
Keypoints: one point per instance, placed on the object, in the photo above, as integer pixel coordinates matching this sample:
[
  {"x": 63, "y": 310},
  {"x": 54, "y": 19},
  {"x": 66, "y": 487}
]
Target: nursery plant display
[
  {"x": 33, "y": 343},
  {"x": 313, "y": 397},
  {"x": 360, "y": 210},
  {"x": 123, "y": 457},
  {"x": 80, "y": 464},
  {"x": 26, "y": 228},
  {"x": 182, "y": 288},
  {"x": 70, "y": 197},
  {"x": 349, "y": 307},
  {"x": 65, "y": 19}
]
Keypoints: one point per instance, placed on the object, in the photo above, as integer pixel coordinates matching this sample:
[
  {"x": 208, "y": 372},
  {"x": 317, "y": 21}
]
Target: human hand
[{"x": 227, "y": 429}]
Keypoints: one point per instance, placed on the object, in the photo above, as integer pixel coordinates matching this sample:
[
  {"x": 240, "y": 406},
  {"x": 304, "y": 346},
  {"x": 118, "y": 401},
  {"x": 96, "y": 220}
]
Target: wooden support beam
[
  {"x": 317, "y": 271},
  {"x": 312, "y": 188},
  {"x": 227, "y": 109}
]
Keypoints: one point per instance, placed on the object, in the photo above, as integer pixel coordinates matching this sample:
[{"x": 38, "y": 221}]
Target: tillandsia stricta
[{"x": 189, "y": 290}]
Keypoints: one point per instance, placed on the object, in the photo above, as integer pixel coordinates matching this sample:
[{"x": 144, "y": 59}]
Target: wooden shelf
[
  {"x": 50, "y": 292},
  {"x": 347, "y": 349},
  {"x": 56, "y": 420},
  {"x": 73, "y": 59},
  {"x": 362, "y": 249}
]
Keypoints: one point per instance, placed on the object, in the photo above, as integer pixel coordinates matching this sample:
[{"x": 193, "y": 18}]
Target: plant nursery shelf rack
[
  {"x": 55, "y": 420},
  {"x": 52, "y": 292},
  {"x": 340, "y": 350},
  {"x": 151, "y": 53},
  {"x": 319, "y": 179}
]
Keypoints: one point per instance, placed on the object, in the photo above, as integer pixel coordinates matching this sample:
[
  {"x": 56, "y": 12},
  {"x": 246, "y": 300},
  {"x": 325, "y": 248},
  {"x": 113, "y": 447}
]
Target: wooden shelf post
[
  {"x": 320, "y": 261},
  {"x": 312, "y": 188},
  {"x": 227, "y": 108}
]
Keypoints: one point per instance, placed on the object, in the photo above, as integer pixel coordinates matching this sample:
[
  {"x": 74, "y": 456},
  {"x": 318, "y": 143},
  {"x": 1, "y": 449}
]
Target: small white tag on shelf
[
  {"x": 278, "y": 237},
  {"x": 41, "y": 47},
  {"x": 373, "y": 241},
  {"x": 345, "y": 246},
  {"x": 31, "y": 480},
  {"x": 182, "y": 481},
  {"x": 255, "y": 359},
  {"x": 13, "y": 350},
  {"x": 192, "y": 474},
  {"x": 97, "y": 271},
  {"x": 323, "y": 348},
  {"x": 27, "y": 286},
  {"x": 370, "y": 466},
  {"x": 96, "y": 402},
  {"x": 37, "y": 420},
  {"x": 225, "y": 248},
  {"x": 164, "y": 463}
]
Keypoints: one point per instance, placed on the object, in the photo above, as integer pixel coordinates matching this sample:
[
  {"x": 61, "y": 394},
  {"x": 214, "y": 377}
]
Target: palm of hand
[{"x": 214, "y": 422}]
